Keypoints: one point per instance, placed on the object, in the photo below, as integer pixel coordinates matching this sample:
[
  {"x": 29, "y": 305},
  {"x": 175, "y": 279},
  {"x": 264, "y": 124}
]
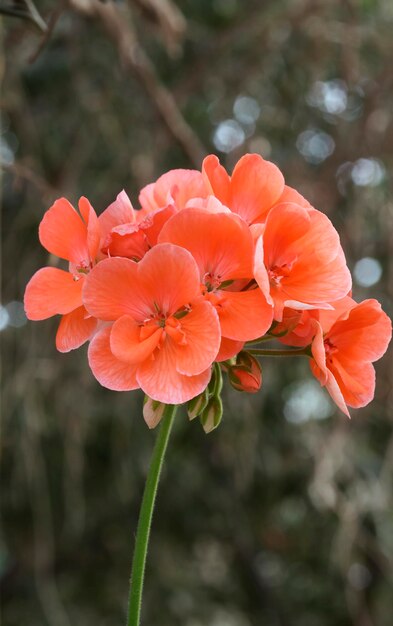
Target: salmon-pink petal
[
  {"x": 321, "y": 239},
  {"x": 228, "y": 349},
  {"x": 318, "y": 352},
  {"x": 161, "y": 381},
  {"x": 119, "y": 212},
  {"x": 340, "y": 310},
  {"x": 202, "y": 334},
  {"x": 154, "y": 222},
  {"x": 108, "y": 370},
  {"x": 93, "y": 227},
  {"x": 331, "y": 385},
  {"x": 286, "y": 224},
  {"x": 146, "y": 198},
  {"x": 51, "y": 291},
  {"x": 244, "y": 315},
  {"x": 179, "y": 185},
  {"x": 216, "y": 178},
  {"x": 291, "y": 195},
  {"x": 316, "y": 283},
  {"x": 75, "y": 329},
  {"x": 356, "y": 381},
  {"x": 220, "y": 243},
  {"x": 127, "y": 240},
  {"x": 365, "y": 334},
  {"x": 260, "y": 271},
  {"x": 112, "y": 289},
  {"x": 256, "y": 185},
  {"x": 170, "y": 276},
  {"x": 210, "y": 204},
  {"x": 126, "y": 343},
  {"x": 336, "y": 393},
  {"x": 63, "y": 233}
]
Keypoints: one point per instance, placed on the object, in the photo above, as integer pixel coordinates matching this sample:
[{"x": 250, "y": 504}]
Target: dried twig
[{"x": 25, "y": 10}]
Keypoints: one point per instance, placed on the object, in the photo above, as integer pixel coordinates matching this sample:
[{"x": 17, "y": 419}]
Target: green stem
[
  {"x": 300, "y": 352},
  {"x": 145, "y": 517}
]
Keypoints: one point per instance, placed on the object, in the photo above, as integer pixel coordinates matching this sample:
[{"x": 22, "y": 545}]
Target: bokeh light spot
[
  {"x": 228, "y": 136},
  {"x": 315, "y": 145},
  {"x": 367, "y": 271}
]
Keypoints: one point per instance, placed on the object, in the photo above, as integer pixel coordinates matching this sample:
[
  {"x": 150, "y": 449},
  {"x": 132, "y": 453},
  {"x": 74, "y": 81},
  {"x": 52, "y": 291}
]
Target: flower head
[
  {"x": 164, "y": 335},
  {"x": 344, "y": 349}
]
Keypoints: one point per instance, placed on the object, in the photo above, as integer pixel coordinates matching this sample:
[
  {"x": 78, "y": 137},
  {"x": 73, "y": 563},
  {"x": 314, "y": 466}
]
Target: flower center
[
  {"x": 277, "y": 273},
  {"x": 166, "y": 325},
  {"x": 330, "y": 349},
  {"x": 212, "y": 281}
]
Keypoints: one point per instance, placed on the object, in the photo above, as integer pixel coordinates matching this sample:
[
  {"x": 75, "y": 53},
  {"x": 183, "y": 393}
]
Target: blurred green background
[{"x": 282, "y": 516}]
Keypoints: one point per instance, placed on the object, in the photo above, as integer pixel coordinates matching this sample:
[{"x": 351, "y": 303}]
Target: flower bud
[
  {"x": 246, "y": 375},
  {"x": 212, "y": 414},
  {"x": 152, "y": 411},
  {"x": 197, "y": 404}
]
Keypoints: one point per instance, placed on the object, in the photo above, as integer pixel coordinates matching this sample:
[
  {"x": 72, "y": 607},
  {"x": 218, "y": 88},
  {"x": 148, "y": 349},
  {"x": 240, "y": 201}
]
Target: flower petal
[
  {"x": 126, "y": 343},
  {"x": 256, "y": 185},
  {"x": 202, "y": 333},
  {"x": 112, "y": 289},
  {"x": 93, "y": 227},
  {"x": 51, "y": 291},
  {"x": 169, "y": 276},
  {"x": 216, "y": 178},
  {"x": 228, "y": 349},
  {"x": 244, "y": 315},
  {"x": 180, "y": 186},
  {"x": 357, "y": 384},
  {"x": 221, "y": 243},
  {"x": 365, "y": 334},
  {"x": 161, "y": 381},
  {"x": 75, "y": 329},
  {"x": 119, "y": 212},
  {"x": 108, "y": 370},
  {"x": 63, "y": 233}
]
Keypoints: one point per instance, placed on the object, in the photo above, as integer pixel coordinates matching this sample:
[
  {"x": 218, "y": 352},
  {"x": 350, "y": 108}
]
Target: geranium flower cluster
[{"x": 172, "y": 294}]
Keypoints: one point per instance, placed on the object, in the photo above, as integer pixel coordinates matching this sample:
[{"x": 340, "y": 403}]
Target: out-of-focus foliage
[{"x": 281, "y": 517}]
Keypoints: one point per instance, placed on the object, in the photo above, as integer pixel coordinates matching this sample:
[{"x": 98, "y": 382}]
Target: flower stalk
[{"x": 145, "y": 517}]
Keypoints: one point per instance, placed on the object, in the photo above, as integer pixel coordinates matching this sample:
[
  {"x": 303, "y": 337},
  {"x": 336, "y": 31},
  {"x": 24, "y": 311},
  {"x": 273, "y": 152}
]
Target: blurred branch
[
  {"x": 22, "y": 171},
  {"x": 170, "y": 19},
  {"x": 25, "y": 10},
  {"x": 51, "y": 24},
  {"x": 135, "y": 58}
]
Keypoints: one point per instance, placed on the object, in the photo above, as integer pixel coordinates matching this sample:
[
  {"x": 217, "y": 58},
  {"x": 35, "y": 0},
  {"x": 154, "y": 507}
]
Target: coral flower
[
  {"x": 344, "y": 350},
  {"x": 254, "y": 187},
  {"x": 221, "y": 244},
  {"x": 175, "y": 188},
  {"x": 165, "y": 335},
  {"x": 51, "y": 291},
  {"x": 299, "y": 262},
  {"x": 128, "y": 232}
]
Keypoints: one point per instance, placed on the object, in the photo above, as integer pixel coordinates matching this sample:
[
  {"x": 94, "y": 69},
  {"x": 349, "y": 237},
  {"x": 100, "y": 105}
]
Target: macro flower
[
  {"x": 254, "y": 187},
  {"x": 299, "y": 262},
  {"x": 164, "y": 335},
  {"x": 222, "y": 246},
  {"x": 345, "y": 346},
  {"x": 51, "y": 291}
]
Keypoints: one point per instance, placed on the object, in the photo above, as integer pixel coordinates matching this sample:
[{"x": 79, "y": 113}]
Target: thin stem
[
  {"x": 145, "y": 517},
  {"x": 300, "y": 352}
]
